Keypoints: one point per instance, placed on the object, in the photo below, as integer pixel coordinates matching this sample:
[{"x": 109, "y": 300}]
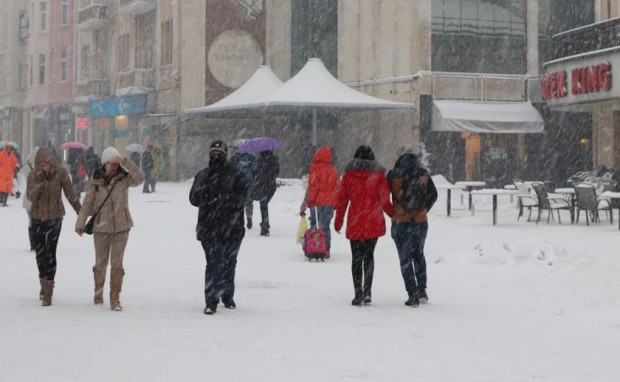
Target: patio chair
[
  {"x": 545, "y": 202},
  {"x": 587, "y": 201},
  {"x": 525, "y": 198}
]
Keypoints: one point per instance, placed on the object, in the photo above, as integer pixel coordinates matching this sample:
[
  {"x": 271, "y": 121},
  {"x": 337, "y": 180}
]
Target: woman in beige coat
[{"x": 112, "y": 224}]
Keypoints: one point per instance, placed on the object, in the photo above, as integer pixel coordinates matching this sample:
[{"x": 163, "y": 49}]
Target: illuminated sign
[{"x": 582, "y": 80}]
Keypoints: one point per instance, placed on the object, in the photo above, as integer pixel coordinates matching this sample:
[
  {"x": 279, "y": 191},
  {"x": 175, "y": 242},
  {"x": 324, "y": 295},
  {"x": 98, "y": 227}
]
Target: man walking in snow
[{"x": 219, "y": 192}]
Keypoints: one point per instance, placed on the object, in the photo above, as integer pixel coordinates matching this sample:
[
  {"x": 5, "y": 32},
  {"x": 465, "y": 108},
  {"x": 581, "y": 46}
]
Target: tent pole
[{"x": 314, "y": 126}]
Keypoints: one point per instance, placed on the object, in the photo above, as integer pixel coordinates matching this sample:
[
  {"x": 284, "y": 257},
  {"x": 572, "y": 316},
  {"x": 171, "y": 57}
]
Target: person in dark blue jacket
[{"x": 219, "y": 192}]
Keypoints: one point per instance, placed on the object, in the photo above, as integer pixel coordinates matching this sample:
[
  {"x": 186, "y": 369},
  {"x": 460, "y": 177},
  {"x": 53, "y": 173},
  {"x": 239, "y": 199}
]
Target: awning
[{"x": 481, "y": 117}]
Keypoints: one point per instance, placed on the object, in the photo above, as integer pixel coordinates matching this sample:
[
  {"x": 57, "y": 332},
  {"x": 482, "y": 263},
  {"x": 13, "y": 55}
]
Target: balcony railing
[
  {"x": 136, "y": 78},
  {"x": 136, "y": 7},
  {"x": 479, "y": 87},
  {"x": 93, "y": 17},
  {"x": 92, "y": 88}
]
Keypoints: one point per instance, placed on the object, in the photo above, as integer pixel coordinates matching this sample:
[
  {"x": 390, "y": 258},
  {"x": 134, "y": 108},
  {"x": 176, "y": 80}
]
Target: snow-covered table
[
  {"x": 448, "y": 187},
  {"x": 494, "y": 192},
  {"x": 612, "y": 195},
  {"x": 471, "y": 185}
]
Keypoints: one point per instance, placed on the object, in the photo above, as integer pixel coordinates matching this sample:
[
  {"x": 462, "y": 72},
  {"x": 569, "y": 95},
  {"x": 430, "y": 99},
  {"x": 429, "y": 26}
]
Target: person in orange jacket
[
  {"x": 322, "y": 191},
  {"x": 8, "y": 165}
]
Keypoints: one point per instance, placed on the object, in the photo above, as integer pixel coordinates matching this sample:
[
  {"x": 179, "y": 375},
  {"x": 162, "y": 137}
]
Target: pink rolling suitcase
[{"x": 315, "y": 245}]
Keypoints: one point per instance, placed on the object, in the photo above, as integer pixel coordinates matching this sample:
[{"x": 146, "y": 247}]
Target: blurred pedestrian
[
  {"x": 246, "y": 163},
  {"x": 158, "y": 166},
  {"x": 219, "y": 192},
  {"x": 8, "y": 166},
  {"x": 147, "y": 168},
  {"x": 413, "y": 195},
  {"x": 264, "y": 187},
  {"x": 108, "y": 193},
  {"x": 364, "y": 193},
  {"x": 43, "y": 190},
  {"x": 91, "y": 161}
]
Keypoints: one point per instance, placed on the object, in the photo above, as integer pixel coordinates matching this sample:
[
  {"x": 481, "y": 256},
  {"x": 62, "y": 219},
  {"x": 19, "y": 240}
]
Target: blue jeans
[
  {"x": 324, "y": 214},
  {"x": 409, "y": 239},
  {"x": 221, "y": 259}
]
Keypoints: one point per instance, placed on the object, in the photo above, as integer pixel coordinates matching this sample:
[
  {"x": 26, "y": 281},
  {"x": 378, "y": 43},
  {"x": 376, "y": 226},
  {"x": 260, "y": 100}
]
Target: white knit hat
[{"x": 109, "y": 154}]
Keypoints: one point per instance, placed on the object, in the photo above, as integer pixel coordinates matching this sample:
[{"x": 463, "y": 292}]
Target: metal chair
[
  {"x": 545, "y": 202},
  {"x": 525, "y": 198},
  {"x": 587, "y": 201}
]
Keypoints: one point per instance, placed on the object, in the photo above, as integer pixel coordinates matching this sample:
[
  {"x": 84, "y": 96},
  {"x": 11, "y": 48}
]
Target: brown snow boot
[
  {"x": 99, "y": 282},
  {"x": 47, "y": 289},
  {"x": 116, "y": 285},
  {"x": 41, "y": 288}
]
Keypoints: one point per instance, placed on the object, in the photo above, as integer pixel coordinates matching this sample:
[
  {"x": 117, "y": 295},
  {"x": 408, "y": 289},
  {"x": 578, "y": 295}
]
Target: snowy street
[{"x": 513, "y": 302}]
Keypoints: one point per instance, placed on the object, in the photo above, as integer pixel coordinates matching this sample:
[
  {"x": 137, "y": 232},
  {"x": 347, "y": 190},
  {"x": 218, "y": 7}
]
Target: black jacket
[
  {"x": 267, "y": 170},
  {"x": 219, "y": 193}
]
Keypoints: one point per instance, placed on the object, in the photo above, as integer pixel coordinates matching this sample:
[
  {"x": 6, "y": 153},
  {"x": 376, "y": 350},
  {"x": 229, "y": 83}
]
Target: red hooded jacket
[
  {"x": 323, "y": 180},
  {"x": 365, "y": 188}
]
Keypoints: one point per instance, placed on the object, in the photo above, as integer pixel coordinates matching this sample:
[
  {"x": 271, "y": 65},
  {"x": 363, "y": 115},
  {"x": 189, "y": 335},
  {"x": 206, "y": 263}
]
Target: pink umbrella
[{"x": 72, "y": 145}]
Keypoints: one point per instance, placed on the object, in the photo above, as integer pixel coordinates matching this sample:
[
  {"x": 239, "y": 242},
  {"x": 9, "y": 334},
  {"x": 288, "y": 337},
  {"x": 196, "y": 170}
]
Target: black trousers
[
  {"x": 45, "y": 234},
  {"x": 363, "y": 265}
]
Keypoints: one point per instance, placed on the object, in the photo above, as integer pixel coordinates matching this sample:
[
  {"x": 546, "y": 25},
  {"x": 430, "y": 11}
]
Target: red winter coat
[
  {"x": 365, "y": 188},
  {"x": 323, "y": 181},
  {"x": 8, "y": 165}
]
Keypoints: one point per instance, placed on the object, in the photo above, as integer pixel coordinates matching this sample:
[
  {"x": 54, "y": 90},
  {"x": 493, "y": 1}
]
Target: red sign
[
  {"x": 583, "y": 80},
  {"x": 81, "y": 123}
]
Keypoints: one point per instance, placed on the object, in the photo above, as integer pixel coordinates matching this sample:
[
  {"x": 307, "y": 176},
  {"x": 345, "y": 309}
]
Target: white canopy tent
[
  {"x": 312, "y": 88},
  {"x": 479, "y": 117},
  {"x": 262, "y": 82}
]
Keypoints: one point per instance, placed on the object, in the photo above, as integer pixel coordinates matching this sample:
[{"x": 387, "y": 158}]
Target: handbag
[{"x": 88, "y": 228}]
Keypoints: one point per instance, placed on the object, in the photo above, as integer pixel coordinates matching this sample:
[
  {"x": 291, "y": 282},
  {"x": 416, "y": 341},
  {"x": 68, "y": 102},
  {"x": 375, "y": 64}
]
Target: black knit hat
[
  {"x": 218, "y": 146},
  {"x": 364, "y": 152}
]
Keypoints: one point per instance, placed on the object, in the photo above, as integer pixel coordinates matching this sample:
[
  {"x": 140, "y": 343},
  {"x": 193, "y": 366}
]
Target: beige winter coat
[
  {"x": 44, "y": 189},
  {"x": 114, "y": 215}
]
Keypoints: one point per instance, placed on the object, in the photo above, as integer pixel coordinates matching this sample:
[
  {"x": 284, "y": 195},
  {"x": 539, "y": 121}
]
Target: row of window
[
  {"x": 42, "y": 19},
  {"x": 40, "y": 65}
]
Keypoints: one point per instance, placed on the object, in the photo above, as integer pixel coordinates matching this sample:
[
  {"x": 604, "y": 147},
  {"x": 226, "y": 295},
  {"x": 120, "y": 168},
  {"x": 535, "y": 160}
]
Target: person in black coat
[
  {"x": 219, "y": 192},
  {"x": 91, "y": 161},
  {"x": 267, "y": 170}
]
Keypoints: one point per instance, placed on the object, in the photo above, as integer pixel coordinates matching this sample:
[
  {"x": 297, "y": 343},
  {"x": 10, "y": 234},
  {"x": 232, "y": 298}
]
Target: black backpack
[{"x": 414, "y": 192}]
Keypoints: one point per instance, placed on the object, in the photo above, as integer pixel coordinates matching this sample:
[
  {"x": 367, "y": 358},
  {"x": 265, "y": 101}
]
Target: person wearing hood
[
  {"x": 108, "y": 193},
  {"x": 219, "y": 192},
  {"x": 322, "y": 192},
  {"x": 413, "y": 195},
  {"x": 364, "y": 193},
  {"x": 8, "y": 165},
  {"x": 91, "y": 161},
  {"x": 44, "y": 186},
  {"x": 264, "y": 186}
]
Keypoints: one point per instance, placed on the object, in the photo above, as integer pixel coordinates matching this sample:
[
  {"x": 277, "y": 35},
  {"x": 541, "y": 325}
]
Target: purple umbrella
[
  {"x": 255, "y": 145},
  {"x": 72, "y": 145}
]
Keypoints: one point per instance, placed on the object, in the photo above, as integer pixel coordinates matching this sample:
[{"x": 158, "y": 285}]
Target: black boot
[
  {"x": 249, "y": 225},
  {"x": 413, "y": 301},
  {"x": 30, "y": 238},
  {"x": 357, "y": 300},
  {"x": 264, "y": 229}
]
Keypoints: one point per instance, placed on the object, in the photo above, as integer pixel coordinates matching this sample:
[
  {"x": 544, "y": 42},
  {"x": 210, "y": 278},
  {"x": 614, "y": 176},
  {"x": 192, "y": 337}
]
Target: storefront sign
[
  {"x": 580, "y": 79},
  {"x": 118, "y": 106}
]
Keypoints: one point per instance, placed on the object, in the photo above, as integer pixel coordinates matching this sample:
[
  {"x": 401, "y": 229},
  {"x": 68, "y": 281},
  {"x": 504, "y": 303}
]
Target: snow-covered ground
[{"x": 512, "y": 302}]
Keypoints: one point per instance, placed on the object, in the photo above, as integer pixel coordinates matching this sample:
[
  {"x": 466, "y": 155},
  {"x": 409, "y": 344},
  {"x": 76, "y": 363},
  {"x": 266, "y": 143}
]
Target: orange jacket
[
  {"x": 8, "y": 165},
  {"x": 323, "y": 180}
]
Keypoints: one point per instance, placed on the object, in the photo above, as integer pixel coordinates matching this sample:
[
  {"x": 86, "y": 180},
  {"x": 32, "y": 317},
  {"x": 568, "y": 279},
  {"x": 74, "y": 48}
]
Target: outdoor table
[
  {"x": 612, "y": 195},
  {"x": 510, "y": 187},
  {"x": 448, "y": 187},
  {"x": 471, "y": 185},
  {"x": 494, "y": 192}
]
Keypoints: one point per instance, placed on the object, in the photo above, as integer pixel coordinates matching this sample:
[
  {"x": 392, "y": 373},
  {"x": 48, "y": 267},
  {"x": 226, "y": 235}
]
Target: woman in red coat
[
  {"x": 8, "y": 165},
  {"x": 322, "y": 192},
  {"x": 365, "y": 192}
]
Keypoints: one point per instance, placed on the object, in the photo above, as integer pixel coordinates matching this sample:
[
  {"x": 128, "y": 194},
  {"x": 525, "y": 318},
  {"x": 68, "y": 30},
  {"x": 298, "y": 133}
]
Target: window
[
  {"x": 31, "y": 71},
  {"x": 41, "y": 69},
  {"x": 64, "y": 12},
  {"x": 85, "y": 64},
  {"x": 43, "y": 15},
  {"x": 122, "y": 52},
  {"x": 144, "y": 40},
  {"x": 166, "y": 42},
  {"x": 63, "y": 64},
  {"x": 21, "y": 76},
  {"x": 479, "y": 36}
]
